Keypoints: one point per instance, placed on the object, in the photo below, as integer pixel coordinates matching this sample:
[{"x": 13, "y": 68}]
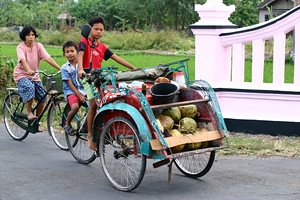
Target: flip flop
[{"x": 70, "y": 130}]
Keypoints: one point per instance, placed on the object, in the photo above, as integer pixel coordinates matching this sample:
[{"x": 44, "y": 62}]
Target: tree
[
  {"x": 246, "y": 14},
  {"x": 120, "y": 14}
]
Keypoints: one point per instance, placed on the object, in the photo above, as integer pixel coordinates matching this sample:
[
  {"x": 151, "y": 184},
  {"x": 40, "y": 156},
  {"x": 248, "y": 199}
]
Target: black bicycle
[{"x": 19, "y": 126}]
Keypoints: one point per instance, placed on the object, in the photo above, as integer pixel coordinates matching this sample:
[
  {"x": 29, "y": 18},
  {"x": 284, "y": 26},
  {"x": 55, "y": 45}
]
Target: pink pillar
[{"x": 212, "y": 61}]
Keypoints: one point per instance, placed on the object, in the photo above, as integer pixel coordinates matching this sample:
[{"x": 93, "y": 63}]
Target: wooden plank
[
  {"x": 185, "y": 139},
  {"x": 197, "y": 151},
  {"x": 182, "y": 103}
]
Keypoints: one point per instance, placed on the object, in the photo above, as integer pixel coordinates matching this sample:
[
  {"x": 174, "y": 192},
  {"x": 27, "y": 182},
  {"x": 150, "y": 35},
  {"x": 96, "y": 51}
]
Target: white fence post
[{"x": 211, "y": 58}]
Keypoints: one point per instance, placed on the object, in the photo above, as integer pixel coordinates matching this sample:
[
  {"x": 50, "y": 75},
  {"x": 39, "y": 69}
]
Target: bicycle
[
  {"x": 15, "y": 115},
  {"x": 78, "y": 144}
]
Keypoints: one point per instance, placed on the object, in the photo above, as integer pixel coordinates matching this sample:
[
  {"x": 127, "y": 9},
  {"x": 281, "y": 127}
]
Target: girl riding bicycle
[{"x": 29, "y": 55}]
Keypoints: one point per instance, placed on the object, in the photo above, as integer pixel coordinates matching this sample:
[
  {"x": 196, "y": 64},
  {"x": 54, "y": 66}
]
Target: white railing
[
  {"x": 220, "y": 59},
  {"x": 276, "y": 30}
]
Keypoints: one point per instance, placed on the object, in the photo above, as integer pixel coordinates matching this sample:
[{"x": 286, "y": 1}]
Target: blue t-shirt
[{"x": 69, "y": 72}]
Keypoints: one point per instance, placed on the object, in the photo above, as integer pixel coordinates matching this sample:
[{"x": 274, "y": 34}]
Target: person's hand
[
  {"x": 80, "y": 74},
  {"x": 30, "y": 72},
  {"x": 82, "y": 99}
]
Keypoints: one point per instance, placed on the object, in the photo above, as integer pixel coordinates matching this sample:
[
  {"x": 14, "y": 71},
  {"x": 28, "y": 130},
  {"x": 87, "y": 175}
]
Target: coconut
[
  {"x": 178, "y": 148},
  {"x": 193, "y": 146},
  {"x": 188, "y": 111},
  {"x": 161, "y": 128},
  {"x": 173, "y": 112},
  {"x": 187, "y": 125},
  {"x": 166, "y": 121},
  {"x": 204, "y": 144}
]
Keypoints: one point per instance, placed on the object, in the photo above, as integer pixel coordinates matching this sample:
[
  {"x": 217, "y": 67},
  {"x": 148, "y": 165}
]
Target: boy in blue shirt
[{"x": 72, "y": 87}]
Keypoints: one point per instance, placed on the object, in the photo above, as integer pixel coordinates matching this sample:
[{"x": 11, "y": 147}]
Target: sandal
[{"x": 70, "y": 130}]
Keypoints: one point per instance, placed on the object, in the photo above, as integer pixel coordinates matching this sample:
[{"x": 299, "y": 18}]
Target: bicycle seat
[{"x": 53, "y": 92}]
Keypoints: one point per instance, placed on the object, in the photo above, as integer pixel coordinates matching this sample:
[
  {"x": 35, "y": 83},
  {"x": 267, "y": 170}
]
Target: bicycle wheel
[
  {"x": 11, "y": 106},
  {"x": 196, "y": 165},
  {"x": 119, "y": 149},
  {"x": 55, "y": 123},
  {"x": 78, "y": 144}
]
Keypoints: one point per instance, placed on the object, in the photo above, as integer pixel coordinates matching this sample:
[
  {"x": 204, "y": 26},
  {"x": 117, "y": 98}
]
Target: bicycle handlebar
[{"x": 48, "y": 75}]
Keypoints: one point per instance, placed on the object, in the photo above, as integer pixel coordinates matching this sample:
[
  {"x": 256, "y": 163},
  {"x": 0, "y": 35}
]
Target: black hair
[
  {"x": 69, "y": 44},
  {"x": 26, "y": 31},
  {"x": 96, "y": 20}
]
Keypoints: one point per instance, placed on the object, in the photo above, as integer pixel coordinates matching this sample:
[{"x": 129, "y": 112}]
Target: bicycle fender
[{"x": 138, "y": 119}]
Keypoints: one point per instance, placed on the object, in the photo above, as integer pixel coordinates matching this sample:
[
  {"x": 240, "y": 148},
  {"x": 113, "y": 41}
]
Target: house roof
[
  {"x": 265, "y": 3},
  {"x": 65, "y": 15}
]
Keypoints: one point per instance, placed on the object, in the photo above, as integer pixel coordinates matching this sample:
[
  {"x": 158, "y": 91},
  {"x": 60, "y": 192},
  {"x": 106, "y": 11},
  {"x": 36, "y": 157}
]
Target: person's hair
[
  {"x": 96, "y": 20},
  {"x": 69, "y": 44},
  {"x": 26, "y": 31}
]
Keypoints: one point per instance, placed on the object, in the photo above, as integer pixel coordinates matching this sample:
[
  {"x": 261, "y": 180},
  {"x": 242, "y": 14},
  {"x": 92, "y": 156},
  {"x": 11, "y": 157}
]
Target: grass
[
  {"x": 268, "y": 71},
  {"x": 262, "y": 145},
  {"x": 128, "y": 40},
  {"x": 137, "y": 58}
]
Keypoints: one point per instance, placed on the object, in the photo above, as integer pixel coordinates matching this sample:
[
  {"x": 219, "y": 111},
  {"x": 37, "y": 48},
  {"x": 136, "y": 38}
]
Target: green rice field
[
  {"x": 141, "y": 59},
  {"x": 138, "y": 59}
]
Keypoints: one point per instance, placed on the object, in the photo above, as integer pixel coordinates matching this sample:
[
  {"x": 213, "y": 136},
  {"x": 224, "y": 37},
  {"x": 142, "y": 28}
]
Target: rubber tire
[
  {"x": 109, "y": 159},
  {"x": 15, "y": 131},
  {"x": 78, "y": 144},
  {"x": 54, "y": 123},
  {"x": 201, "y": 169}
]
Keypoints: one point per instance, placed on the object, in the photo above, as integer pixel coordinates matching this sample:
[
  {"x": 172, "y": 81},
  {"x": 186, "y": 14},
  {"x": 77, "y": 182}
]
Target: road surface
[{"x": 35, "y": 169}]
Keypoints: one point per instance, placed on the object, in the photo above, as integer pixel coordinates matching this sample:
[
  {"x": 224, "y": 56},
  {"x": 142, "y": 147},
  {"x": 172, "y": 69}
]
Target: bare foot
[
  {"x": 92, "y": 144},
  {"x": 31, "y": 116},
  {"x": 40, "y": 129}
]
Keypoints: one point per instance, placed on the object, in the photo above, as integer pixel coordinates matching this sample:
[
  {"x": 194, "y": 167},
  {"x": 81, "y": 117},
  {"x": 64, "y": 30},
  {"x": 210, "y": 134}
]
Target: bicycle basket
[{"x": 56, "y": 82}]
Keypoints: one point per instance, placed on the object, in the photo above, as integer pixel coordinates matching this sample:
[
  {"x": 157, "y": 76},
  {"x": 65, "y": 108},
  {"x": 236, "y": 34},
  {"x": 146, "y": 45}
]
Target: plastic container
[
  {"x": 163, "y": 93},
  {"x": 179, "y": 77}
]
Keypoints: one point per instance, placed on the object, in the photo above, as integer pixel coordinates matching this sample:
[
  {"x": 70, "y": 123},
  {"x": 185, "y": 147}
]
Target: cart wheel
[
  {"x": 196, "y": 165},
  {"x": 13, "y": 103},
  {"x": 121, "y": 160},
  {"x": 78, "y": 144},
  {"x": 54, "y": 123}
]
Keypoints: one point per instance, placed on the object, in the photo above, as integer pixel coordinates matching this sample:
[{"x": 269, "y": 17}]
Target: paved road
[{"x": 35, "y": 169}]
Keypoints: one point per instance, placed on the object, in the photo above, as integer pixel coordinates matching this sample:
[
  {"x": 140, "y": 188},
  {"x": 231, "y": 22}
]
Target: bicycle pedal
[{"x": 97, "y": 153}]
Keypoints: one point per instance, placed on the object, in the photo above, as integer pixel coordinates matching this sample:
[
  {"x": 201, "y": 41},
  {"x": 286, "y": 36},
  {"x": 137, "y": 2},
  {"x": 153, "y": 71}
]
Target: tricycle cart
[{"x": 128, "y": 133}]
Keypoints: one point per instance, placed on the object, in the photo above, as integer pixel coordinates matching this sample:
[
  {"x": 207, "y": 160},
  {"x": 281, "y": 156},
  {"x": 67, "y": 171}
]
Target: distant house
[
  {"x": 67, "y": 19},
  {"x": 278, "y": 8}
]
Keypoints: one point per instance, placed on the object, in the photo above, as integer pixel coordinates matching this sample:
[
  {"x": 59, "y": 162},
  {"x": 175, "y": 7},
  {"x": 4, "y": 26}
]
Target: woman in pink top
[{"x": 29, "y": 55}]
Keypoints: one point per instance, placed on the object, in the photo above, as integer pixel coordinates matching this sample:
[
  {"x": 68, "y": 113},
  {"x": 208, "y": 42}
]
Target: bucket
[{"x": 163, "y": 93}]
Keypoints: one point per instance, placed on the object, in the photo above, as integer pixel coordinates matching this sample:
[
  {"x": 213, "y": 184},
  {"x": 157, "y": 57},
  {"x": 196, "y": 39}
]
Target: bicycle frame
[{"x": 32, "y": 125}]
